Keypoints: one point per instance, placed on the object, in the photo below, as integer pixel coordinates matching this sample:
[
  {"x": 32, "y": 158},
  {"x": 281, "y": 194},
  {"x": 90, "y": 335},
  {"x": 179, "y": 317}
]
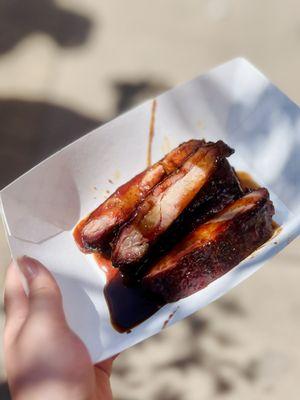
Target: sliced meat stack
[{"x": 181, "y": 223}]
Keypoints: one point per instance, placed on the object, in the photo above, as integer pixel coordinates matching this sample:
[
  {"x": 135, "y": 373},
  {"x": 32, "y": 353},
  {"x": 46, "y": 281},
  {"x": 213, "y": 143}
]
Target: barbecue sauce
[
  {"x": 151, "y": 134},
  {"x": 128, "y": 306}
]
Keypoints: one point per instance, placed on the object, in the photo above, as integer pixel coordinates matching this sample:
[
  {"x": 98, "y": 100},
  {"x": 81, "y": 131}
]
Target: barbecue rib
[
  {"x": 202, "y": 186},
  {"x": 213, "y": 248},
  {"x": 100, "y": 226}
]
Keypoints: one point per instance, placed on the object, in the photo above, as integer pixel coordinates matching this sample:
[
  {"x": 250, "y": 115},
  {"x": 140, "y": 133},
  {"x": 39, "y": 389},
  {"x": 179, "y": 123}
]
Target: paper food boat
[{"x": 233, "y": 102}]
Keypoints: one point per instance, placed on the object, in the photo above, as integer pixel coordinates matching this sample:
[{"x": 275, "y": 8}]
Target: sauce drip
[
  {"x": 128, "y": 306},
  {"x": 151, "y": 133},
  {"x": 105, "y": 265}
]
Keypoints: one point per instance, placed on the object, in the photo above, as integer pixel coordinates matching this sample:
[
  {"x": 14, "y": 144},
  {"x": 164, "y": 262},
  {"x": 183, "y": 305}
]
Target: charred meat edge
[{"x": 213, "y": 248}]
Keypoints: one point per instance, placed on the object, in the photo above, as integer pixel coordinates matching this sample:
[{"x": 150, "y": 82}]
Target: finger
[
  {"x": 45, "y": 298},
  {"x": 106, "y": 365},
  {"x": 15, "y": 303}
]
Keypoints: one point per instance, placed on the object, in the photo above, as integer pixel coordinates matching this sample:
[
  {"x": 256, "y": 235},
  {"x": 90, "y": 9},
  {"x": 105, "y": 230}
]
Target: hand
[{"x": 44, "y": 358}]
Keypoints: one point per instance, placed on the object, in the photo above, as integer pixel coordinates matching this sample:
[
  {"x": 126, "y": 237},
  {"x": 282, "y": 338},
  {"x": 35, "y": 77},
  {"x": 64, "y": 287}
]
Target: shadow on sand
[
  {"x": 31, "y": 131},
  {"x": 19, "y": 18}
]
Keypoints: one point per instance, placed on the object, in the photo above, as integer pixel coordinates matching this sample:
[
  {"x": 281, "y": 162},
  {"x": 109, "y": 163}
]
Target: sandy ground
[{"x": 67, "y": 66}]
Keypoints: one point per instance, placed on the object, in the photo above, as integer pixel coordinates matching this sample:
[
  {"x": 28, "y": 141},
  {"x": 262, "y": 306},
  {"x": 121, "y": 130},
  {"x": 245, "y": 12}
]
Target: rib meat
[
  {"x": 213, "y": 248},
  {"x": 96, "y": 231},
  {"x": 202, "y": 186}
]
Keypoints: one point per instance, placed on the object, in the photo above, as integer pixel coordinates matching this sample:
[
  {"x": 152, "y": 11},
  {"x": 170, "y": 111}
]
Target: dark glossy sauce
[
  {"x": 128, "y": 306},
  {"x": 151, "y": 133}
]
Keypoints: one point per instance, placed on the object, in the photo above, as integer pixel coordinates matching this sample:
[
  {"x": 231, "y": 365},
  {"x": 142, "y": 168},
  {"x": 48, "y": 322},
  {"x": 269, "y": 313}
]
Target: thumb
[{"x": 44, "y": 295}]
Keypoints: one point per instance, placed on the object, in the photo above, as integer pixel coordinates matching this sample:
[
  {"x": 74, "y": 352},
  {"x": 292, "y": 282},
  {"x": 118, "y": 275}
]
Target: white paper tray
[{"x": 233, "y": 102}]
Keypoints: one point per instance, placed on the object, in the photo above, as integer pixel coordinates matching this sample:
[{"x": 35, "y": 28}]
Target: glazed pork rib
[
  {"x": 213, "y": 248},
  {"x": 202, "y": 186},
  {"x": 98, "y": 229}
]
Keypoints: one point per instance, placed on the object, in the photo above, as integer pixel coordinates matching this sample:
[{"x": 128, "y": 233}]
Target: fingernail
[{"x": 29, "y": 267}]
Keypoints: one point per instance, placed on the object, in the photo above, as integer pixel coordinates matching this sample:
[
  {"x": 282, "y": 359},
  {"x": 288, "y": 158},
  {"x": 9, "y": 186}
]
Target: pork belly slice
[
  {"x": 213, "y": 248},
  {"x": 96, "y": 231},
  {"x": 170, "y": 210}
]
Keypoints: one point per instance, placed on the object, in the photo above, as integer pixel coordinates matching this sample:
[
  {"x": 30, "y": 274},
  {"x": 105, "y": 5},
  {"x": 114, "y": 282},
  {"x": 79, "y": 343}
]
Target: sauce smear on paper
[
  {"x": 128, "y": 306},
  {"x": 151, "y": 133}
]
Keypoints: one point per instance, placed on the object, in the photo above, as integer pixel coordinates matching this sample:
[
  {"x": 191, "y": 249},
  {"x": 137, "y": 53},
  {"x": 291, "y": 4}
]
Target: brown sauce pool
[{"x": 128, "y": 306}]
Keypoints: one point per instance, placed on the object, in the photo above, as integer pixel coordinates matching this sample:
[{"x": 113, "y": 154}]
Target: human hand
[{"x": 44, "y": 358}]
